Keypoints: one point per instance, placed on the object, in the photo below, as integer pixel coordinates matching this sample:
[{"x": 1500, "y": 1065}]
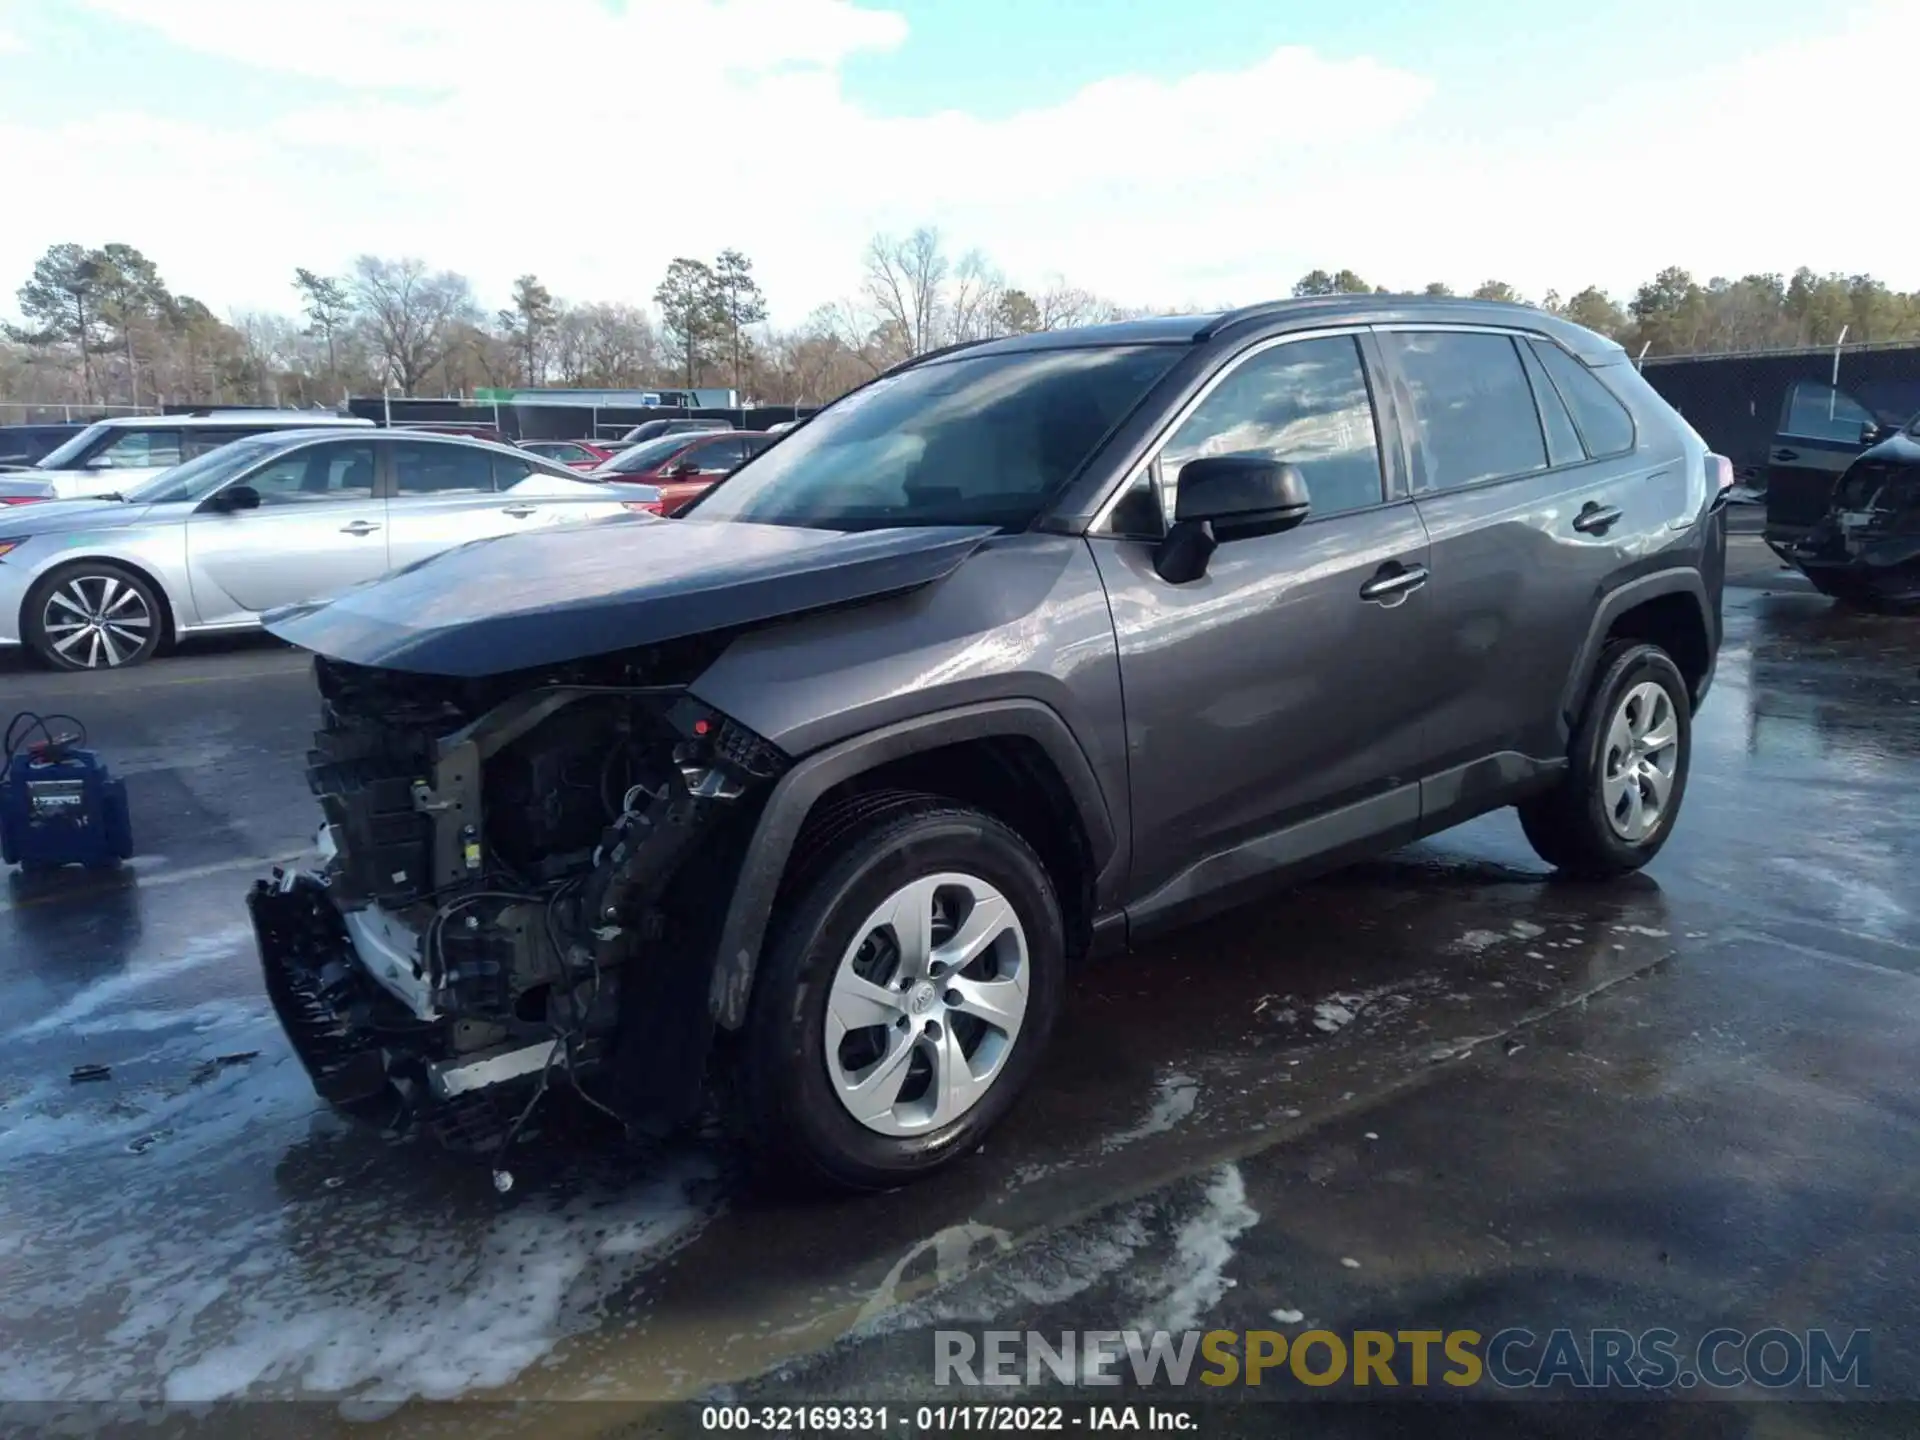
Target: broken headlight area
[
  {"x": 519, "y": 887},
  {"x": 1866, "y": 548}
]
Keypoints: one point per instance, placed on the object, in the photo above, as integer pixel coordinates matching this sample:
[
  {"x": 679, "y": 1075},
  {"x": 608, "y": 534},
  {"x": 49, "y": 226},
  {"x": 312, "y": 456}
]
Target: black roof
[{"x": 1280, "y": 315}]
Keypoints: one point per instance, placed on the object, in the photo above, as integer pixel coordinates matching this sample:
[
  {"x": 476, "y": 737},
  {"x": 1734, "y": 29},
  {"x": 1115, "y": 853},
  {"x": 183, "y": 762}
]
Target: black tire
[
  {"x": 116, "y": 651},
  {"x": 1568, "y": 826},
  {"x": 800, "y": 1133}
]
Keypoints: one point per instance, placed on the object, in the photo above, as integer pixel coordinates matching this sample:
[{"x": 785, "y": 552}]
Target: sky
[{"x": 1157, "y": 152}]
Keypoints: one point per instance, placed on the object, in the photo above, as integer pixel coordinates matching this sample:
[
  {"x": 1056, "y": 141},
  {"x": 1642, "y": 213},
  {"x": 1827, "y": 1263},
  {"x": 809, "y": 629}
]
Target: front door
[
  {"x": 1273, "y": 706},
  {"x": 318, "y": 531},
  {"x": 1822, "y": 431}
]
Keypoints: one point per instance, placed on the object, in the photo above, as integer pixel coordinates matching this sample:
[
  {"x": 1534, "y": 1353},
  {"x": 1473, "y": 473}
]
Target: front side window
[
  {"x": 200, "y": 477},
  {"x": 972, "y": 440},
  {"x": 644, "y": 456},
  {"x": 717, "y": 457},
  {"x": 1473, "y": 405},
  {"x": 1604, "y": 422},
  {"x": 139, "y": 450},
  {"x": 341, "y": 470},
  {"x": 434, "y": 469},
  {"x": 1305, "y": 403}
]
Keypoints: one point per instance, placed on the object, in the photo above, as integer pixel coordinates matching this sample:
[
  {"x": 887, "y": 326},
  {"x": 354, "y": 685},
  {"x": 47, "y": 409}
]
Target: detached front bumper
[
  {"x": 323, "y": 997},
  {"x": 361, "y": 1047}
]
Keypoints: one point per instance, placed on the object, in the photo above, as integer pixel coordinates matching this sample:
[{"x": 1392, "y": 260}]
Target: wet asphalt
[{"x": 1438, "y": 1090}]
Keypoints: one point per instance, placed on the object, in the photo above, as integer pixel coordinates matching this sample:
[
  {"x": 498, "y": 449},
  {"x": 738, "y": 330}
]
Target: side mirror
[
  {"x": 1226, "y": 497},
  {"x": 237, "y": 497},
  {"x": 1872, "y": 433},
  {"x": 680, "y": 469}
]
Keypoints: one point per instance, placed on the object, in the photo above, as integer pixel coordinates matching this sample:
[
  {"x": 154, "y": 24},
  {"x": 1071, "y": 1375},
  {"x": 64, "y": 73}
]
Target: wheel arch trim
[
  {"x": 1617, "y": 602},
  {"x": 794, "y": 795}
]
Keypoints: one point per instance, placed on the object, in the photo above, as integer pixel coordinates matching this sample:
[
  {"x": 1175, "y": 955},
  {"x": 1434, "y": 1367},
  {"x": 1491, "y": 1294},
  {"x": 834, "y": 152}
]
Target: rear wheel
[
  {"x": 94, "y": 616},
  {"x": 1626, "y": 773},
  {"x": 909, "y": 990}
]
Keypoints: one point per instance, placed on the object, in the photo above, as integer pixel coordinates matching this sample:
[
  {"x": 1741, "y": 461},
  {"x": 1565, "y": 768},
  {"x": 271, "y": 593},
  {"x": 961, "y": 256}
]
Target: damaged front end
[
  {"x": 1865, "y": 550},
  {"x": 521, "y": 885}
]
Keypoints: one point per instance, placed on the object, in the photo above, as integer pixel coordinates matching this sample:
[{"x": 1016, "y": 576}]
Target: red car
[
  {"x": 685, "y": 467},
  {"x": 574, "y": 454}
]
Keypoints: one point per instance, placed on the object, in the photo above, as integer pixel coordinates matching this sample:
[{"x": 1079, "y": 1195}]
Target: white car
[
  {"x": 267, "y": 521},
  {"x": 112, "y": 456}
]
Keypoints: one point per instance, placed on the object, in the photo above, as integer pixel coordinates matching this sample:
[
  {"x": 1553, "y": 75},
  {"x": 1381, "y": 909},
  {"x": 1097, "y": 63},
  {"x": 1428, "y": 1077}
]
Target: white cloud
[{"x": 460, "y": 140}]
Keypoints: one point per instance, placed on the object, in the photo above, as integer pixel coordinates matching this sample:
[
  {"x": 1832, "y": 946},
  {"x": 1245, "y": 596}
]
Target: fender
[
  {"x": 1614, "y": 604},
  {"x": 796, "y": 792}
]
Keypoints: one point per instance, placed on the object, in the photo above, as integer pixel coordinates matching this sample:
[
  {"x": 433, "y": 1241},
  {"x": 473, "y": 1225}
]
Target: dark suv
[{"x": 1020, "y": 652}]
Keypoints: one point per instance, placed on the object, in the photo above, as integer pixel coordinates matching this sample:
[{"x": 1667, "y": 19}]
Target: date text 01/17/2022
[{"x": 936, "y": 1419}]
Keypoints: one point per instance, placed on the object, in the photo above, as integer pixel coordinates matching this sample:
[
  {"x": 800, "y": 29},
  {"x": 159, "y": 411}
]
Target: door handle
[
  {"x": 519, "y": 512},
  {"x": 1595, "y": 518},
  {"x": 359, "y": 527},
  {"x": 1786, "y": 454},
  {"x": 1393, "y": 581}
]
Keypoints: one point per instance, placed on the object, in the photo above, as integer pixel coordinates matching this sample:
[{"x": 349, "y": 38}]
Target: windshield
[
  {"x": 63, "y": 457},
  {"x": 981, "y": 440},
  {"x": 645, "y": 455},
  {"x": 202, "y": 475}
]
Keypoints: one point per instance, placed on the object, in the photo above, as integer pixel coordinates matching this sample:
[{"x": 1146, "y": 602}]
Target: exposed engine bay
[
  {"x": 1866, "y": 549},
  {"x": 520, "y": 883}
]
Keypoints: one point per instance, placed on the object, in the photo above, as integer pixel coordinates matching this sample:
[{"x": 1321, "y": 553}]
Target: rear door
[
  {"x": 1537, "y": 490},
  {"x": 319, "y": 530},
  {"x": 1822, "y": 431},
  {"x": 441, "y": 494}
]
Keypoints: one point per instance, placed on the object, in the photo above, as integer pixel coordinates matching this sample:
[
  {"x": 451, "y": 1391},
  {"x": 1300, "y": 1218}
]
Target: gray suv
[{"x": 1018, "y": 653}]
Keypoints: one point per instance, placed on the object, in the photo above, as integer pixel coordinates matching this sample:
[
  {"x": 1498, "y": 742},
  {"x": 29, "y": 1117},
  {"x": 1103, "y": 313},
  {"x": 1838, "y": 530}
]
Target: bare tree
[
  {"x": 1062, "y": 306},
  {"x": 408, "y": 314},
  {"x": 904, "y": 283}
]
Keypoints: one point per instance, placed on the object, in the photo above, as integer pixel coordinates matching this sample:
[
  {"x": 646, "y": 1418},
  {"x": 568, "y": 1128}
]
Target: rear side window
[
  {"x": 1474, "y": 406},
  {"x": 440, "y": 469},
  {"x": 1604, "y": 422},
  {"x": 1563, "y": 441}
]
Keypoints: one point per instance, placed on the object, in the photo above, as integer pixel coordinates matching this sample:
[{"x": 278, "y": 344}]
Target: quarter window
[
  {"x": 1563, "y": 440},
  {"x": 1604, "y": 422},
  {"x": 432, "y": 469},
  {"x": 1474, "y": 407},
  {"x": 338, "y": 471},
  {"x": 1305, "y": 403}
]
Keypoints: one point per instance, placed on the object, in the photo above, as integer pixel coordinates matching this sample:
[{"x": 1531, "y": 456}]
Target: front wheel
[
  {"x": 905, "y": 1001},
  {"x": 93, "y": 616},
  {"x": 1626, "y": 772}
]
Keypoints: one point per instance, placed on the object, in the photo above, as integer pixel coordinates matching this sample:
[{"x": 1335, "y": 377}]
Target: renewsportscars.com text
[{"x": 1512, "y": 1358}]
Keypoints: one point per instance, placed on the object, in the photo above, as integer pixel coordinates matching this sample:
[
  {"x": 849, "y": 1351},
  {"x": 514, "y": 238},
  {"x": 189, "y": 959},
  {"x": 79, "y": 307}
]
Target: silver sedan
[{"x": 299, "y": 515}]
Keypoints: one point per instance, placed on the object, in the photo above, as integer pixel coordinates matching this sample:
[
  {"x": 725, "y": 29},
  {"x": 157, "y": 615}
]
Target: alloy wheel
[
  {"x": 926, "y": 1004},
  {"x": 1642, "y": 752},
  {"x": 97, "y": 622}
]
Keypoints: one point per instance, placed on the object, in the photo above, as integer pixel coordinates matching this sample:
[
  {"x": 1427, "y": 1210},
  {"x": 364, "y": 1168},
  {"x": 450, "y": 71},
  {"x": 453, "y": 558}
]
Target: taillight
[
  {"x": 644, "y": 507},
  {"x": 21, "y": 499}
]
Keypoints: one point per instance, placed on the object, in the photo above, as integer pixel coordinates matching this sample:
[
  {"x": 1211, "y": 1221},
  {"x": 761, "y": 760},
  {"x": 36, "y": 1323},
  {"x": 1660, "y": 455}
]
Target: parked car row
[{"x": 289, "y": 513}]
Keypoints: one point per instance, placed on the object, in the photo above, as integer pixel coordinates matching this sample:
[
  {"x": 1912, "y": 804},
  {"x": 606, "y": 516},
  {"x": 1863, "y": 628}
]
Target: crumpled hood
[
  {"x": 547, "y": 597},
  {"x": 66, "y": 517}
]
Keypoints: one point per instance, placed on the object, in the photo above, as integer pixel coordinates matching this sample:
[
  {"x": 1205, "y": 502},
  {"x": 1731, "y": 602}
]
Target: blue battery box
[{"x": 60, "y": 805}]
